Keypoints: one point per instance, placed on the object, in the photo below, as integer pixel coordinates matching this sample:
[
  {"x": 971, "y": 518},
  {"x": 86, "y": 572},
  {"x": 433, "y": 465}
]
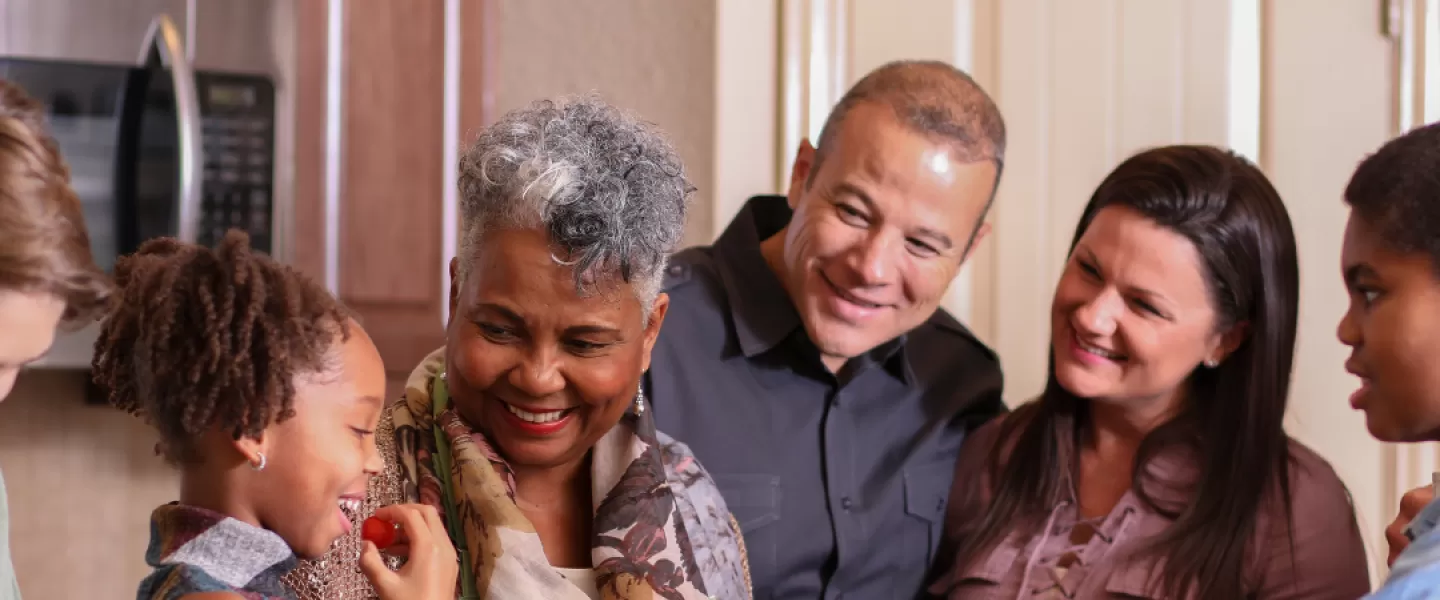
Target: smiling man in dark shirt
[{"x": 805, "y": 359}]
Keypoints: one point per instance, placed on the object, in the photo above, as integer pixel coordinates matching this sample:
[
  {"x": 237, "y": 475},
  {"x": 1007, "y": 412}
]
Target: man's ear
[
  {"x": 800, "y": 172},
  {"x": 980, "y": 233}
]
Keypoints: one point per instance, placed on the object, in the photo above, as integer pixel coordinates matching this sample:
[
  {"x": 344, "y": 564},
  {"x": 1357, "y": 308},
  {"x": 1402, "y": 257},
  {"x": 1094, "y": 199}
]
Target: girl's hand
[{"x": 431, "y": 569}]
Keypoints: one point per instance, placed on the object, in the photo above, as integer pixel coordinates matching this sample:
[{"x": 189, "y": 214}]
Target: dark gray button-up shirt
[{"x": 839, "y": 482}]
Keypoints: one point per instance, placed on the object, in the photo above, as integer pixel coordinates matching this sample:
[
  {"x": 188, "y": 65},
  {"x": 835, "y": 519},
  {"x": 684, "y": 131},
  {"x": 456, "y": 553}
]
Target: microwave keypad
[{"x": 238, "y": 174}]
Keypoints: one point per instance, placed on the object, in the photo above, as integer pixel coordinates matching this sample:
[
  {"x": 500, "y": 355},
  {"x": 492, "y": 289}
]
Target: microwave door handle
[{"x": 163, "y": 45}]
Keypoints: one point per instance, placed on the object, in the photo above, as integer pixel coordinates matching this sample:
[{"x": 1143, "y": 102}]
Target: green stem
[{"x": 440, "y": 461}]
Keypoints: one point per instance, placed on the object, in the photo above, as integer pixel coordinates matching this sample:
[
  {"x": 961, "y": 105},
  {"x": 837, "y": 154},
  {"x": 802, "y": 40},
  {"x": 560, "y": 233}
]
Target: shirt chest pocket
[
  {"x": 926, "y": 489},
  {"x": 982, "y": 578},
  {"x": 754, "y": 499}
]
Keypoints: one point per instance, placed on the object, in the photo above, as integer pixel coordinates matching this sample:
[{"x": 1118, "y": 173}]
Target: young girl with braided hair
[{"x": 266, "y": 394}]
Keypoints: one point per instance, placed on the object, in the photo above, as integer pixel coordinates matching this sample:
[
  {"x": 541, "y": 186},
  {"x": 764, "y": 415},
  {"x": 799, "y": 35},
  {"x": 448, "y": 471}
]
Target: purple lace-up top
[{"x": 1097, "y": 558}]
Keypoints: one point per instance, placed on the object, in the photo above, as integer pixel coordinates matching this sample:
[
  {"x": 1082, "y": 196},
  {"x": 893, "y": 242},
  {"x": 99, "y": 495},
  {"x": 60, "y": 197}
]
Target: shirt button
[{"x": 845, "y": 503}]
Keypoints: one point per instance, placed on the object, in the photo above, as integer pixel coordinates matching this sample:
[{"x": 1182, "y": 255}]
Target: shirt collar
[
  {"x": 761, "y": 309},
  {"x": 235, "y": 553}
]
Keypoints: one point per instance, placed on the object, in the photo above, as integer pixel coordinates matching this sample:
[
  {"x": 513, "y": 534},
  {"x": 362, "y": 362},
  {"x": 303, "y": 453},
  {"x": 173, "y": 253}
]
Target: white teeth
[
  {"x": 546, "y": 417},
  {"x": 1099, "y": 352}
]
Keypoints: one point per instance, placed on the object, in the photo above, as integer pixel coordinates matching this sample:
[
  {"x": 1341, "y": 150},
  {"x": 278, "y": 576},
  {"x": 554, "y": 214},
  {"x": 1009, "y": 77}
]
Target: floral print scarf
[{"x": 640, "y": 549}]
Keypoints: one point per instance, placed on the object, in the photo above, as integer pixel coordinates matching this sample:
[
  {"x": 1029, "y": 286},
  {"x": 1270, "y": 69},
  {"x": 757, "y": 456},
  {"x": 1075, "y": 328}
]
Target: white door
[{"x": 1328, "y": 102}]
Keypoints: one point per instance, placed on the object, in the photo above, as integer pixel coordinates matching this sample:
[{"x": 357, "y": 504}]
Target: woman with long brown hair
[{"x": 1155, "y": 464}]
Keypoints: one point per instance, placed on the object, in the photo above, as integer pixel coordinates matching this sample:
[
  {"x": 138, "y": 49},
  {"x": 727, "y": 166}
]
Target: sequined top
[{"x": 336, "y": 576}]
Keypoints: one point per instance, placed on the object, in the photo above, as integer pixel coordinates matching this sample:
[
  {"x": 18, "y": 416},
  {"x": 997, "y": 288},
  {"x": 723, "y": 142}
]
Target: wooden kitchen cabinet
[{"x": 390, "y": 251}]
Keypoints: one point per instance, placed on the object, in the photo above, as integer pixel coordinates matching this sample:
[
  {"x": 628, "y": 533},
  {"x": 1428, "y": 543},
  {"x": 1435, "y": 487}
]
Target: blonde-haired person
[{"x": 47, "y": 274}]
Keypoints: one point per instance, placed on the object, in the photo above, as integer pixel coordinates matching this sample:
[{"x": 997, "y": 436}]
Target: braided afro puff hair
[{"x": 199, "y": 339}]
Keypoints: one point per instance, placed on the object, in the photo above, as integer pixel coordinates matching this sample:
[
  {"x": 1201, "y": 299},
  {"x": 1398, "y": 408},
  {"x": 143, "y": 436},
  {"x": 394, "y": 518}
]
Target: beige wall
[
  {"x": 1310, "y": 159},
  {"x": 653, "y": 57},
  {"x": 746, "y": 97},
  {"x": 82, "y": 481},
  {"x": 704, "y": 72}
]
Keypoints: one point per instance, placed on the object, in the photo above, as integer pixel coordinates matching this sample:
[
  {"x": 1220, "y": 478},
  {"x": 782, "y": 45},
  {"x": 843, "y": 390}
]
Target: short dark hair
[
  {"x": 1397, "y": 190},
  {"x": 931, "y": 97},
  {"x": 201, "y": 338}
]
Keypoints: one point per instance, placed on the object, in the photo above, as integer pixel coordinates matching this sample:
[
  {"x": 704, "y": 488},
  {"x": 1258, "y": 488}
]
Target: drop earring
[{"x": 640, "y": 401}]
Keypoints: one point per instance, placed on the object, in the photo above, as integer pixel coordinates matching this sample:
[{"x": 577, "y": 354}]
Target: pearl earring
[
  {"x": 1212, "y": 363},
  {"x": 261, "y": 465}
]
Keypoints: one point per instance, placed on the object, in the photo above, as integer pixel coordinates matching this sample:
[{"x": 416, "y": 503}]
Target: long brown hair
[
  {"x": 1232, "y": 421},
  {"x": 44, "y": 246}
]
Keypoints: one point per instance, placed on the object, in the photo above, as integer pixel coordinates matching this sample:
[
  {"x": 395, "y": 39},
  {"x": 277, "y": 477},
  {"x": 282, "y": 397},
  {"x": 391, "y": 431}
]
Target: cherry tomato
[{"x": 380, "y": 532}]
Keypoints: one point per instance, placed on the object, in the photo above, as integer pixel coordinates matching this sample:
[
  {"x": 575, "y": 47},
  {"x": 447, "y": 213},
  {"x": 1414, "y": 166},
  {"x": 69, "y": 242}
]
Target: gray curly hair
[{"x": 609, "y": 189}]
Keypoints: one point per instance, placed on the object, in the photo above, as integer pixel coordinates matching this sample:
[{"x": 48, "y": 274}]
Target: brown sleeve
[
  {"x": 969, "y": 492},
  {"x": 337, "y": 574},
  {"x": 1329, "y": 553}
]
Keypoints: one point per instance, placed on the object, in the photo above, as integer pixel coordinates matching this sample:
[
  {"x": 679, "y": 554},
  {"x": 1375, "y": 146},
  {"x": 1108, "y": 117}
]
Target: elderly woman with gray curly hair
[{"x": 527, "y": 431}]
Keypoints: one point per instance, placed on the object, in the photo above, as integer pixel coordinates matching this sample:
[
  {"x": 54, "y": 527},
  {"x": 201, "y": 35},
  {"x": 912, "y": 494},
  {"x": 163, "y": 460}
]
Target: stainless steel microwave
[{"x": 156, "y": 148}]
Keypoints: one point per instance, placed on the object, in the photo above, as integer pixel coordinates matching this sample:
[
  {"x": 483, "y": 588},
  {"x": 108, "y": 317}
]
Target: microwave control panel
[{"x": 238, "y": 133}]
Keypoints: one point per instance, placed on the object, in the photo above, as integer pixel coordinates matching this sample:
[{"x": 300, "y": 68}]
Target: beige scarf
[{"x": 640, "y": 549}]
